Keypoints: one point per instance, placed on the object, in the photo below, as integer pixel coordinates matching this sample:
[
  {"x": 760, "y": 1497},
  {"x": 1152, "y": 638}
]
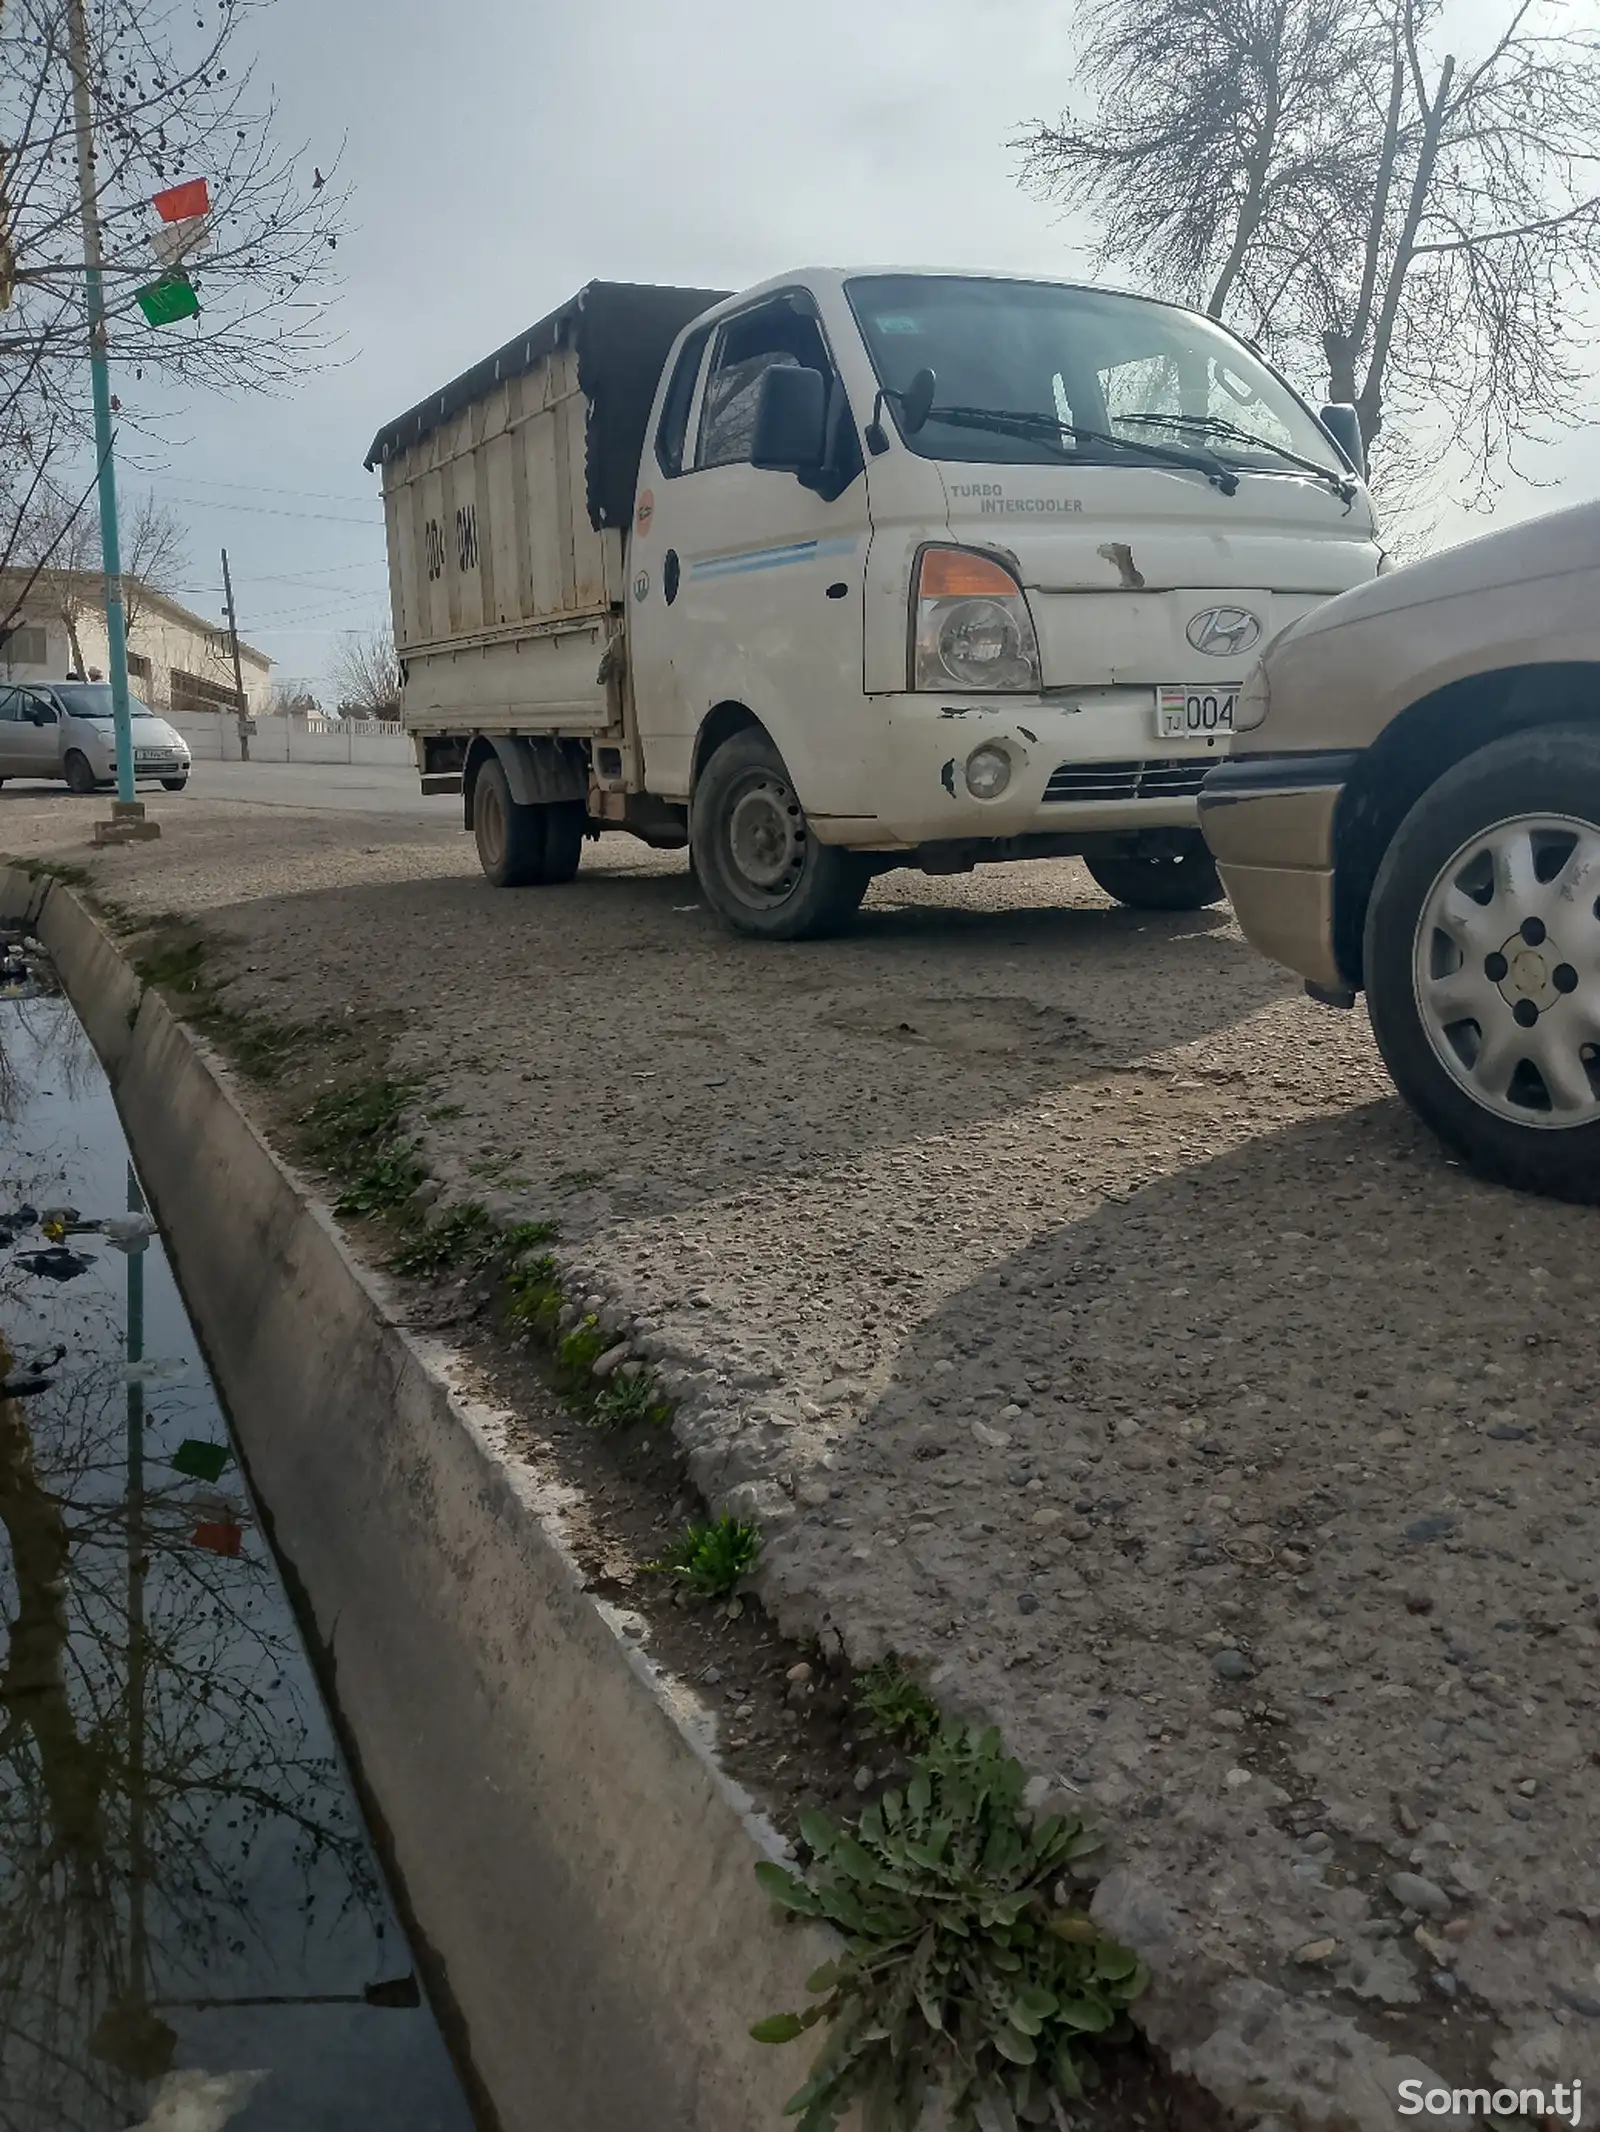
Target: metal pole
[
  {"x": 100, "y": 384},
  {"x": 138, "y": 1863},
  {"x": 238, "y": 676}
]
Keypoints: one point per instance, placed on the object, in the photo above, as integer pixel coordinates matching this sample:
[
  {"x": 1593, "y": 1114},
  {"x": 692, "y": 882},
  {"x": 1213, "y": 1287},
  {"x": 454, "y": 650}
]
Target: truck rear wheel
[
  {"x": 523, "y": 846},
  {"x": 1176, "y": 873},
  {"x": 759, "y": 866},
  {"x": 510, "y": 839}
]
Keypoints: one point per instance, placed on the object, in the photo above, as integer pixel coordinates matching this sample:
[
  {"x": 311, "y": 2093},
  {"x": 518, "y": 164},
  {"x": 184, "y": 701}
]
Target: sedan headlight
[
  {"x": 1254, "y": 699},
  {"x": 972, "y": 629}
]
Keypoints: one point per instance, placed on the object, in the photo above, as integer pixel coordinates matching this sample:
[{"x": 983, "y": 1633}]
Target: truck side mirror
[
  {"x": 1343, "y": 424},
  {"x": 791, "y": 433}
]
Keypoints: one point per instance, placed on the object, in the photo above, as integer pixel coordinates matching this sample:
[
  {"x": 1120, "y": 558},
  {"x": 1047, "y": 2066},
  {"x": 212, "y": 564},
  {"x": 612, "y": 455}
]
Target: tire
[
  {"x": 564, "y": 826},
  {"x": 758, "y": 865},
  {"x": 510, "y": 839},
  {"x": 173, "y": 784},
  {"x": 1484, "y": 1035},
  {"x": 79, "y": 776},
  {"x": 1182, "y": 880}
]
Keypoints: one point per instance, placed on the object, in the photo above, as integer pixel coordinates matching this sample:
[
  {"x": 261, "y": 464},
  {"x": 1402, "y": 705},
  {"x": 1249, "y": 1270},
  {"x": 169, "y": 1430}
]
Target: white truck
[{"x": 859, "y": 569}]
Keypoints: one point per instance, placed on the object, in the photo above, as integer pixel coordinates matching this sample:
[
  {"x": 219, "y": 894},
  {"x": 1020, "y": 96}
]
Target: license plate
[{"x": 1193, "y": 713}]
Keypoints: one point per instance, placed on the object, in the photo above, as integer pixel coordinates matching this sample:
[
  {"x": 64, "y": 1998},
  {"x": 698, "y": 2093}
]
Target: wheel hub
[
  {"x": 765, "y": 836},
  {"x": 1506, "y": 968}
]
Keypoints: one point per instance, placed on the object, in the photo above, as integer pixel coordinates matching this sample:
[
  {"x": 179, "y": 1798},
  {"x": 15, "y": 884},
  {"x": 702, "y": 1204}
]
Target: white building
[{"x": 177, "y": 661}]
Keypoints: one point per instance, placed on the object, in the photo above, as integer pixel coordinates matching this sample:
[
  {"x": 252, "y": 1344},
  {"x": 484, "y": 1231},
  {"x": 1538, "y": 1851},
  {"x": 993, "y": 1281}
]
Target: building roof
[{"x": 89, "y": 581}]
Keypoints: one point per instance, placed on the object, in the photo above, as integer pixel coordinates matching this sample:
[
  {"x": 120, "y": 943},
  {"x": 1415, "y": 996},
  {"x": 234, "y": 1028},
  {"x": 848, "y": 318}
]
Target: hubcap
[
  {"x": 766, "y": 833},
  {"x": 1506, "y": 970}
]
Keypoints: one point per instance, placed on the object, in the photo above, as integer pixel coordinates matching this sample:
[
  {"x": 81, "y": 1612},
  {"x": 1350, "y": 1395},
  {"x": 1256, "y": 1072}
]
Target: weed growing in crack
[
  {"x": 967, "y": 1970},
  {"x": 61, "y": 870},
  {"x": 893, "y": 1703},
  {"x": 533, "y": 1295},
  {"x": 711, "y": 1561},
  {"x": 174, "y": 968},
  {"x": 579, "y": 1351},
  {"x": 466, "y": 1236},
  {"x": 357, "y": 1134},
  {"x": 633, "y": 1402}
]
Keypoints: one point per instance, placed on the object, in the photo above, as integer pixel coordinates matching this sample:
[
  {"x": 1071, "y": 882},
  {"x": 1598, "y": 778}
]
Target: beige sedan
[{"x": 1412, "y": 809}]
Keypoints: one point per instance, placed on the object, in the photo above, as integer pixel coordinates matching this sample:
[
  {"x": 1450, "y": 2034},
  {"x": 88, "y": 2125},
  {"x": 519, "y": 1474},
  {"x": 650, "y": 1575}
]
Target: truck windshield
[
  {"x": 1133, "y": 372},
  {"x": 92, "y": 699}
]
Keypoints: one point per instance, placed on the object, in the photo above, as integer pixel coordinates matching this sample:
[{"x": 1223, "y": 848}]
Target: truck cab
[{"x": 929, "y": 569}]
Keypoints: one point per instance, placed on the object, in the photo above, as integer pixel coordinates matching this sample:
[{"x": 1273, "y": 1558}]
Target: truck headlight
[
  {"x": 971, "y": 628},
  {"x": 1254, "y": 699}
]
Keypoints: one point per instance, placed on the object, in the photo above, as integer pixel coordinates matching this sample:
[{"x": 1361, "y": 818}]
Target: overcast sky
[{"x": 504, "y": 153}]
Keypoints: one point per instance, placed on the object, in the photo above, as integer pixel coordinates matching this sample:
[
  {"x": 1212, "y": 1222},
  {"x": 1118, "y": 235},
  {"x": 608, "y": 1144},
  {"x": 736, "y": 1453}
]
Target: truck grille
[{"x": 1101, "y": 781}]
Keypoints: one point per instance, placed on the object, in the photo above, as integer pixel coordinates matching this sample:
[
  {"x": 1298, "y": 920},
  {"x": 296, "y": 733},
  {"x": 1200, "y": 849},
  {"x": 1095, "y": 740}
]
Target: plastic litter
[
  {"x": 155, "y": 1369},
  {"x": 128, "y": 1232},
  {"x": 219, "y": 1539}
]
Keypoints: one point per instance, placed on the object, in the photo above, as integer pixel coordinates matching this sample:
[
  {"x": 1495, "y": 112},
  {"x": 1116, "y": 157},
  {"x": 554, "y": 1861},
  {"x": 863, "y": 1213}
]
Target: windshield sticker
[
  {"x": 899, "y": 325},
  {"x": 994, "y": 502}
]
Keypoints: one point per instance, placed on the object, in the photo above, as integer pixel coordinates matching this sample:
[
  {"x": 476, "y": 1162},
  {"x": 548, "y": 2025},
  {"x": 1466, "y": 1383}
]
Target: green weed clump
[
  {"x": 633, "y": 1402},
  {"x": 893, "y": 1703},
  {"x": 962, "y": 1975},
  {"x": 357, "y": 1133},
  {"x": 711, "y": 1561},
  {"x": 173, "y": 967}
]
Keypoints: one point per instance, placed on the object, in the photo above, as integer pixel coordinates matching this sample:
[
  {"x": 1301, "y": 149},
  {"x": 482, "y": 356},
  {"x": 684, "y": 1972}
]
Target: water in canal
[{"x": 194, "y": 1932}]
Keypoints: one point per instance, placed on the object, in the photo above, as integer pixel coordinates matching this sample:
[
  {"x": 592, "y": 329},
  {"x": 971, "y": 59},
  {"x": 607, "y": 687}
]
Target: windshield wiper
[
  {"x": 1020, "y": 422},
  {"x": 1218, "y": 426}
]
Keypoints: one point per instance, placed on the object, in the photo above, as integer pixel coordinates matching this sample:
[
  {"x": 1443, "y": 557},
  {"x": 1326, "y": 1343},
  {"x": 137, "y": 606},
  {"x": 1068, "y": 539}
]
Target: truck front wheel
[
  {"x": 760, "y": 868},
  {"x": 520, "y": 846},
  {"x": 1169, "y": 871}
]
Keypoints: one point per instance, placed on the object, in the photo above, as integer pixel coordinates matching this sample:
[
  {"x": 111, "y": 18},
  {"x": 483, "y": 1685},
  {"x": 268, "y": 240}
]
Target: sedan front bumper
[{"x": 1269, "y": 820}]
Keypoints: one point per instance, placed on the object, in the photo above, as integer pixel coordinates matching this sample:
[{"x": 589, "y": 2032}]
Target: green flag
[
  {"x": 201, "y": 1461},
  {"x": 165, "y": 301}
]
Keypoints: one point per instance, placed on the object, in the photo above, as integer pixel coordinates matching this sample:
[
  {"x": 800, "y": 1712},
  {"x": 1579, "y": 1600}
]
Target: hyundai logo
[{"x": 1224, "y": 632}]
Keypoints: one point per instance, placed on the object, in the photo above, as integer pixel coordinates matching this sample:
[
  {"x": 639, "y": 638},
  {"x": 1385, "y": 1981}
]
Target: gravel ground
[{"x": 1086, "y": 1320}]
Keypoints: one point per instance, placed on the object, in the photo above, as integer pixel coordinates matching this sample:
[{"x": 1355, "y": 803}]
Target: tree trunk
[
  {"x": 1369, "y": 401},
  {"x": 78, "y": 666}
]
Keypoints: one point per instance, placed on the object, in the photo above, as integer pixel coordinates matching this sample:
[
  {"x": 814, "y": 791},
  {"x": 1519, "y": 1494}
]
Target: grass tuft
[
  {"x": 711, "y": 1561},
  {"x": 893, "y": 1703},
  {"x": 357, "y": 1134}
]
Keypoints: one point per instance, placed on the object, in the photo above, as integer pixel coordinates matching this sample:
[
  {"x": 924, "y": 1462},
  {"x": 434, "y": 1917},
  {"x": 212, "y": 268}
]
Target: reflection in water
[{"x": 192, "y": 1930}]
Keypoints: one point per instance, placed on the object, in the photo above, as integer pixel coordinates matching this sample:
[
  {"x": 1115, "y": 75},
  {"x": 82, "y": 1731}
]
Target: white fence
[{"x": 213, "y": 736}]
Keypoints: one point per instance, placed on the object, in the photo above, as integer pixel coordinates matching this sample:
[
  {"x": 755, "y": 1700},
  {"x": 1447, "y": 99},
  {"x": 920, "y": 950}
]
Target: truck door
[{"x": 746, "y": 583}]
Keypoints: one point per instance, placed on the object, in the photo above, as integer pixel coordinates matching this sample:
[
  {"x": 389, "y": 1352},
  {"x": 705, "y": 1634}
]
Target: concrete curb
[{"x": 570, "y": 1851}]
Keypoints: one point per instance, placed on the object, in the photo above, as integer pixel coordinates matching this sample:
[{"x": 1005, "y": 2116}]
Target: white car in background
[{"x": 64, "y": 729}]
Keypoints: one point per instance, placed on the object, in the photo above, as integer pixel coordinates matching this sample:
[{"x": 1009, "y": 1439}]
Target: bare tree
[
  {"x": 155, "y": 554},
  {"x": 174, "y": 98},
  {"x": 1203, "y": 124},
  {"x": 292, "y": 698},
  {"x": 366, "y": 674},
  {"x": 1422, "y": 231}
]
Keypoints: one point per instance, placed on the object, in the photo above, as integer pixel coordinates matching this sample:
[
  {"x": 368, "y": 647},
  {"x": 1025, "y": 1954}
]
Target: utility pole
[
  {"x": 126, "y": 810},
  {"x": 238, "y": 676}
]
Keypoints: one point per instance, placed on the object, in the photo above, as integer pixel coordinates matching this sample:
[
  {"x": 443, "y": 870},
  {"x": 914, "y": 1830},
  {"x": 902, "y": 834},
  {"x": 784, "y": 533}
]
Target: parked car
[
  {"x": 854, "y": 571},
  {"x": 1413, "y": 810},
  {"x": 65, "y": 729}
]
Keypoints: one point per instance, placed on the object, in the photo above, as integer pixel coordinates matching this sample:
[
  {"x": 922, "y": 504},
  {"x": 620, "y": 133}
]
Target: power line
[
  {"x": 262, "y": 488},
  {"x": 256, "y": 510}
]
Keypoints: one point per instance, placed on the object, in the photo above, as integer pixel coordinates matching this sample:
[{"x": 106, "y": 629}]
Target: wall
[{"x": 213, "y": 737}]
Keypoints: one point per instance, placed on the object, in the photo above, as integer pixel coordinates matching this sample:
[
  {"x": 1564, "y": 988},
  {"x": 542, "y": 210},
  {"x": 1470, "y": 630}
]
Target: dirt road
[{"x": 1084, "y": 1319}]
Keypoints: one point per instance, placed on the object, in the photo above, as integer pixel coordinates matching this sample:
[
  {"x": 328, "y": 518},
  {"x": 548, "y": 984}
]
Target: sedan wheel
[{"x": 1482, "y": 960}]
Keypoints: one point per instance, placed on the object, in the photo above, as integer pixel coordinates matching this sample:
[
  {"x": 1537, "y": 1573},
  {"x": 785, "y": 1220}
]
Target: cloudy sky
[{"x": 503, "y": 153}]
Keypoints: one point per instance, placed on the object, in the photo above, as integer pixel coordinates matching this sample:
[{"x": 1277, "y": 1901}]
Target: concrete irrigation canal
[{"x": 196, "y": 1930}]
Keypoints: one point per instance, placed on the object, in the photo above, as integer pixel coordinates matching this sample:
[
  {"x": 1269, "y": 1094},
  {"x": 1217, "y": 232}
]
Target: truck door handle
[
  {"x": 671, "y": 570},
  {"x": 837, "y": 592}
]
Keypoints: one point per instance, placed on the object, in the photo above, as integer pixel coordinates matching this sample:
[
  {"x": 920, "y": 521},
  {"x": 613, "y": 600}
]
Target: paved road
[
  {"x": 338, "y": 788},
  {"x": 357, "y": 788}
]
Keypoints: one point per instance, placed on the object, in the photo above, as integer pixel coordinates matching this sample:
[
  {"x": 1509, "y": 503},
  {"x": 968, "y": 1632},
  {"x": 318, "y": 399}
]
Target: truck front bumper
[
  {"x": 1093, "y": 769},
  {"x": 1269, "y": 820}
]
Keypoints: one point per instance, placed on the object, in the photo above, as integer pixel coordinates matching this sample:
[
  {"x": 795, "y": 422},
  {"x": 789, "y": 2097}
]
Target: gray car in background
[{"x": 64, "y": 729}]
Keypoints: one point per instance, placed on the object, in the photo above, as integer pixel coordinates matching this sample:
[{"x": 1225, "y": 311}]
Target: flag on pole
[
  {"x": 177, "y": 241},
  {"x": 178, "y": 202},
  {"x": 165, "y": 301}
]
